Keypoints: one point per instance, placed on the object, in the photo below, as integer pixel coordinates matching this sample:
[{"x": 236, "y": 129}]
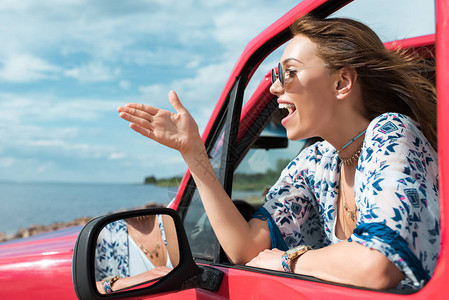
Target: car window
[
  {"x": 199, "y": 232},
  {"x": 262, "y": 165},
  {"x": 201, "y": 237}
]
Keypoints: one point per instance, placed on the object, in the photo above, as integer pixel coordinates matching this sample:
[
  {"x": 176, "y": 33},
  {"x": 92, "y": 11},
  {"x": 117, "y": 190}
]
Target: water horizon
[{"x": 25, "y": 204}]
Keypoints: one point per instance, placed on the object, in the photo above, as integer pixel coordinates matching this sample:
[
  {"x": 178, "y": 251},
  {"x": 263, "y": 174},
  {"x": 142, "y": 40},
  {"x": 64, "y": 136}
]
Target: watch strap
[
  {"x": 108, "y": 283},
  {"x": 288, "y": 257},
  {"x": 285, "y": 264}
]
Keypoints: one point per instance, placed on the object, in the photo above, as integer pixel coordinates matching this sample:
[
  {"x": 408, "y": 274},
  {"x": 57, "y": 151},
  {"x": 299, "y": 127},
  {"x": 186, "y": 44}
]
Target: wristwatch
[
  {"x": 292, "y": 254},
  {"x": 108, "y": 283}
]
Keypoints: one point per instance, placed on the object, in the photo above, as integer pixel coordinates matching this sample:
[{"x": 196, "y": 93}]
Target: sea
[{"x": 26, "y": 204}]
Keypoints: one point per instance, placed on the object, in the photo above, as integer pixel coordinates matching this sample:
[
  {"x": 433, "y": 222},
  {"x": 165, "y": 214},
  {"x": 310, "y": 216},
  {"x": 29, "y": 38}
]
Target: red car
[{"x": 245, "y": 124}]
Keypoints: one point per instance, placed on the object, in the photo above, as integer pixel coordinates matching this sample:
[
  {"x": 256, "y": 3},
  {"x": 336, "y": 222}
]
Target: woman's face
[{"x": 310, "y": 93}]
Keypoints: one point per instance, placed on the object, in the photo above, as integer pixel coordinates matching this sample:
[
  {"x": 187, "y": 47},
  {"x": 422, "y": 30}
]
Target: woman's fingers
[
  {"x": 143, "y": 122},
  {"x": 136, "y": 112},
  {"x": 143, "y": 131},
  {"x": 144, "y": 108},
  {"x": 175, "y": 102}
]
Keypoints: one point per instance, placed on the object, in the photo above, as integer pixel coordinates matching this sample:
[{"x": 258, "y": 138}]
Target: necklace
[
  {"x": 354, "y": 156},
  {"x": 150, "y": 253},
  {"x": 147, "y": 252},
  {"x": 351, "y": 213},
  {"x": 345, "y": 223}
]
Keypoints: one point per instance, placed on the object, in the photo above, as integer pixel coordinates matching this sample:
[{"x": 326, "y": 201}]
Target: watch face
[{"x": 296, "y": 249}]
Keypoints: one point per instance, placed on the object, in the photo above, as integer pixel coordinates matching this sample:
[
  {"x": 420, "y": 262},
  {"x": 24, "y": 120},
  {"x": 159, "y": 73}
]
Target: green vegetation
[
  {"x": 258, "y": 181},
  {"x": 242, "y": 181},
  {"x": 171, "y": 181}
]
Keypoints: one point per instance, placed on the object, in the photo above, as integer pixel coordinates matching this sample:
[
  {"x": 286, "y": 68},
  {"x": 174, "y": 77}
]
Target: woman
[
  {"x": 363, "y": 204},
  {"x": 135, "y": 250}
]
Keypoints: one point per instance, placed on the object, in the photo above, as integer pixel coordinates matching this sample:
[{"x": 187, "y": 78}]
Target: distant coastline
[
  {"x": 38, "y": 229},
  {"x": 241, "y": 181},
  {"x": 165, "y": 182}
]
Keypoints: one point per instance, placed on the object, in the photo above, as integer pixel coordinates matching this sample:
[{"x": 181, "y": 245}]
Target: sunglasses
[{"x": 286, "y": 76}]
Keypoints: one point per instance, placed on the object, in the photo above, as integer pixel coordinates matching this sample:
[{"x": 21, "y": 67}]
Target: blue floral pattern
[
  {"x": 111, "y": 255},
  {"x": 396, "y": 186}
]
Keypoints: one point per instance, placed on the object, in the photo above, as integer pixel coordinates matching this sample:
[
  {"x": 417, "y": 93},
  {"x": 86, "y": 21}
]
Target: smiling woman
[
  {"x": 342, "y": 101},
  {"x": 353, "y": 197}
]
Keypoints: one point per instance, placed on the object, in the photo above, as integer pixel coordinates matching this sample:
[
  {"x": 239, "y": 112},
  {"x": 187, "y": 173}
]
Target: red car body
[{"x": 40, "y": 267}]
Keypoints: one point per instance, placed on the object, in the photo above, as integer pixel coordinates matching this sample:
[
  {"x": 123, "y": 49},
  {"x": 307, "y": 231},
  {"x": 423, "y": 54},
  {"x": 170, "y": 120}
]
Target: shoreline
[
  {"x": 81, "y": 221},
  {"x": 38, "y": 229}
]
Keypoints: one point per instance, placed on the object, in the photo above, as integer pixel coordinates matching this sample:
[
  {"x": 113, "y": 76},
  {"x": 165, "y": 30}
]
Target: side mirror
[{"x": 135, "y": 253}]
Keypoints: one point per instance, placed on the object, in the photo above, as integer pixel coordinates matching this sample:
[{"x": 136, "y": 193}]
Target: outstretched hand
[{"x": 175, "y": 130}]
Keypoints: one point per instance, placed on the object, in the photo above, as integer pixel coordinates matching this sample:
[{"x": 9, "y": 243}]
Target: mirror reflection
[{"x": 135, "y": 251}]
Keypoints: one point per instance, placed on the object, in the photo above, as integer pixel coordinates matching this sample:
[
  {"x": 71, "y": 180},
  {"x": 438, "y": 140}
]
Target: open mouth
[{"x": 288, "y": 106}]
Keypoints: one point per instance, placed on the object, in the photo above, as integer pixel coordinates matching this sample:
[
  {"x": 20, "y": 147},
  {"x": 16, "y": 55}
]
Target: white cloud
[
  {"x": 22, "y": 108},
  {"x": 68, "y": 149},
  {"x": 22, "y": 169},
  {"x": 156, "y": 95},
  {"x": 6, "y": 162},
  {"x": 116, "y": 155},
  {"x": 19, "y": 136},
  {"x": 125, "y": 84},
  {"x": 93, "y": 72},
  {"x": 139, "y": 32},
  {"x": 198, "y": 93},
  {"x": 154, "y": 158},
  {"x": 26, "y": 68},
  {"x": 13, "y": 5}
]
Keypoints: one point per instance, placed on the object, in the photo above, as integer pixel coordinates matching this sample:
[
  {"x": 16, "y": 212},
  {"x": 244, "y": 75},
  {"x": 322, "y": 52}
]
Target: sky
[{"x": 66, "y": 65}]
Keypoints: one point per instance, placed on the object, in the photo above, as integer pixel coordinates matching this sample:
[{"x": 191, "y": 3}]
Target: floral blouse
[{"x": 396, "y": 192}]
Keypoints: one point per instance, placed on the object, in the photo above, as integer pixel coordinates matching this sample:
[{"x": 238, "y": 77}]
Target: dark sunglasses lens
[
  {"x": 273, "y": 76},
  {"x": 281, "y": 74}
]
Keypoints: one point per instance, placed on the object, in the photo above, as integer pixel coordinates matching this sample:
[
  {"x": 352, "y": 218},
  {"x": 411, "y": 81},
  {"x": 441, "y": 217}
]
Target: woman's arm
[
  {"x": 127, "y": 282},
  {"x": 172, "y": 239},
  {"x": 180, "y": 132},
  {"x": 233, "y": 232},
  {"x": 344, "y": 262},
  {"x": 350, "y": 263}
]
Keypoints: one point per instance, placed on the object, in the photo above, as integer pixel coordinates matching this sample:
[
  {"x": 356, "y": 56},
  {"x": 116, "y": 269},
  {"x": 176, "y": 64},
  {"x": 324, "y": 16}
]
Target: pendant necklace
[
  {"x": 351, "y": 213},
  {"x": 345, "y": 222},
  {"x": 149, "y": 253}
]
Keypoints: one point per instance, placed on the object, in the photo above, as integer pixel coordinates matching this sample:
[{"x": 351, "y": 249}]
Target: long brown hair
[{"x": 391, "y": 81}]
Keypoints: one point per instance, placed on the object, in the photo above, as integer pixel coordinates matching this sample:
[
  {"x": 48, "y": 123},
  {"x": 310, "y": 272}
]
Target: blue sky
[{"x": 66, "y": 65}]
